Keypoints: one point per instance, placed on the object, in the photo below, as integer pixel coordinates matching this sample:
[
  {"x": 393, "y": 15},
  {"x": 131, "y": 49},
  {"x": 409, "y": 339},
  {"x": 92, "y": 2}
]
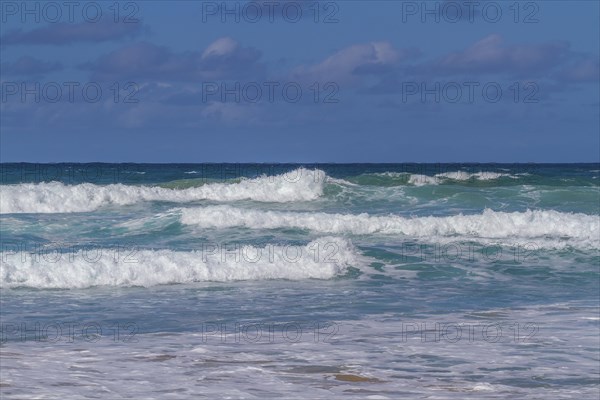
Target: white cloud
[{"x": 346, "y": 64}]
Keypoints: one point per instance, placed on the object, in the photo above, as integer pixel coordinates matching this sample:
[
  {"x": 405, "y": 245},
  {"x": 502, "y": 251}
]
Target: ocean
[{"x": 312, "y": 281}]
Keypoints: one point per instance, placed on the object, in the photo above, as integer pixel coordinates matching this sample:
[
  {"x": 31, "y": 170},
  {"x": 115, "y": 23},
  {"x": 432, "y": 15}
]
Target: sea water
[{"x": 378, "y": 281}]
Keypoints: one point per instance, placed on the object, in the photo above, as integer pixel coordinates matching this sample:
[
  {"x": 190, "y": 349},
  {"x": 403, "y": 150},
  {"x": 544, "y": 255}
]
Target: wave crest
[
  {"x": 323, "y": 258},
  {"x": 56, "y": 197},
  {"x": 572, "y": 229}
]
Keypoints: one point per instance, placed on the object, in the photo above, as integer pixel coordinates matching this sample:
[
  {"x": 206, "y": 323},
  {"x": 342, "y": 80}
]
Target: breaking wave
[
  {"x": 56, "y": 197},
  {"x": 567, "y": 228},
  {"x": 323, "y": 258}
]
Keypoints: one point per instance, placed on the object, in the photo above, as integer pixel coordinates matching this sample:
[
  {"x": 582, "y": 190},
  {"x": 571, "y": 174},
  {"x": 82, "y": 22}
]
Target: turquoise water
[{"x": 300, "y": 281}]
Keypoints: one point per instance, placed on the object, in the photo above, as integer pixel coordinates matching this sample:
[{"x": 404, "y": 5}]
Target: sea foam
[
  {"x": 567, "y": 228},
  {"x": 56, "y": 197},
  {"x": 323, "y": 258}
]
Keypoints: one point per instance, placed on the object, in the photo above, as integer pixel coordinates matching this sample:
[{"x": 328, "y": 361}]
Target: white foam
[
  {"x": 323, "y": 258},
  {"x": 55, "y": 197},
  {"x": 412, "y": 179},
  {"x": 423, "y": 180},
  {"x": 480, "y": 176},
  {"x": 340, "y": 181},
  {"x": 483, "y": 387},
  {"x": 568, "y": 228}
]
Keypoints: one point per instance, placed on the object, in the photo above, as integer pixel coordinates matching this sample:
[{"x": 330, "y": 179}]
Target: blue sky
[{"x": 345, "y": 81}]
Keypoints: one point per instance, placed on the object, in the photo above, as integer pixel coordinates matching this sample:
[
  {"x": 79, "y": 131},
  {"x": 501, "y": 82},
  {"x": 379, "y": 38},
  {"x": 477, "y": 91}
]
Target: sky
[{"x": 300, "y": 81}]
